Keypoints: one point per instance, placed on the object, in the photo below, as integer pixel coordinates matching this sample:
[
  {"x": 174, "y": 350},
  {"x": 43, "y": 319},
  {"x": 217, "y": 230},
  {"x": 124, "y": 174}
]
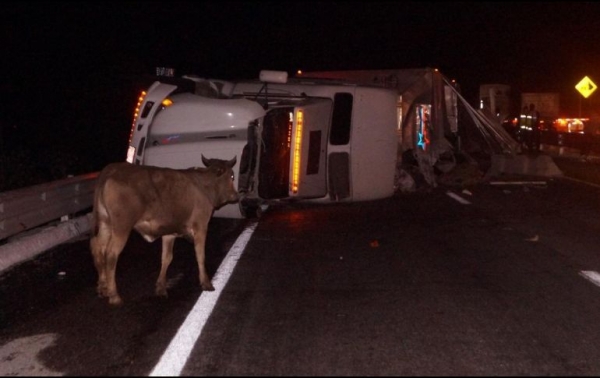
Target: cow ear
[
  {"x": 232, "y": 162},
  {"x": 204, "y": 160}
]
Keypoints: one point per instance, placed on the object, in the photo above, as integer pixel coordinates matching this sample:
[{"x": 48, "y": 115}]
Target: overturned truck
[{"x": 338, "y": 136}]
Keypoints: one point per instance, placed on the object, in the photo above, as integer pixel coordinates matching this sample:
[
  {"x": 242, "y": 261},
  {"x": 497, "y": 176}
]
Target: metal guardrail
[{"x": 27, "y": 208}]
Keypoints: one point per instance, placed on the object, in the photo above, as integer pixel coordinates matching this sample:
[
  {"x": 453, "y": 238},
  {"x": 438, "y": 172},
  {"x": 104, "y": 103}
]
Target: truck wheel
[{"x": 252, "y": 211}]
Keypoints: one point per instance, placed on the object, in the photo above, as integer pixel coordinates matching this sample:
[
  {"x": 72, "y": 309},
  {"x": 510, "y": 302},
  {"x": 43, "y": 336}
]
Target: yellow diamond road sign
[{"x": 586, "y": 87}]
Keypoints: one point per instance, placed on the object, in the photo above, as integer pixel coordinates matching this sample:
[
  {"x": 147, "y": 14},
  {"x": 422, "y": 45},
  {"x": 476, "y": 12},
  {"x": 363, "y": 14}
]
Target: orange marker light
[{"x": 296, "y": 164}]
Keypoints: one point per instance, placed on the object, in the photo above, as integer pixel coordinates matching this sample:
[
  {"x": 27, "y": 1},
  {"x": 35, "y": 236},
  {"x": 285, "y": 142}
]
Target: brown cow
[{"x": 156, "y": 202}]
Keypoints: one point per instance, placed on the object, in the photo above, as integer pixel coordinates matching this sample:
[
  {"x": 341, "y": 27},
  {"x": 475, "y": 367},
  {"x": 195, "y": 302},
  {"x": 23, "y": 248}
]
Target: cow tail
[{"x": 96, "y": 209}]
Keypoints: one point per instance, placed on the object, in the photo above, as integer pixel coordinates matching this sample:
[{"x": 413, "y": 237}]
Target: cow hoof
[
  {"x": 101, "y": 290},
  {"x": 208, "y": 287},
  {"x": 115, "y": 301},
  {"x": 161, "y": 292}
]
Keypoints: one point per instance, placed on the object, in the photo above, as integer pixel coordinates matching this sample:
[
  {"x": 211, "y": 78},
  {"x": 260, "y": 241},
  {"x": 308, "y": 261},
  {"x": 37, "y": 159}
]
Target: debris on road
[{"x": 534, "y": 239}]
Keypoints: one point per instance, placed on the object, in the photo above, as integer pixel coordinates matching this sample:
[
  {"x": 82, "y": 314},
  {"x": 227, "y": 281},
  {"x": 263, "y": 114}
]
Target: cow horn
[
  {"x": 205, "y": 161},
  {"x": 231, "y": 162}
]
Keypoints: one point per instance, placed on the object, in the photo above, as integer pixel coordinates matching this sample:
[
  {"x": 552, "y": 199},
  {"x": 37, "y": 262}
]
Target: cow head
[
  {"x": 225, "y": 178},
  {"x": 220, "y": 165}
]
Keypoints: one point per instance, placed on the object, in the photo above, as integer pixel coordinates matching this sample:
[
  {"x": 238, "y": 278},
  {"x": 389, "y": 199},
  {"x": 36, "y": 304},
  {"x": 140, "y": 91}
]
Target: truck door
[
  {"x": 308, "y": 168},
  {"x": 293, "y": 151}
]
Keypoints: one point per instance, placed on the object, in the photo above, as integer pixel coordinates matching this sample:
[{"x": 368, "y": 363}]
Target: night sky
[{"x": 72, "y": 70}]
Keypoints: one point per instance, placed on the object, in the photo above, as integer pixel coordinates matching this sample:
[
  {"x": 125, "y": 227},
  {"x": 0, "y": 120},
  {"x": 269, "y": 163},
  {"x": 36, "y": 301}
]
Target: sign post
[{"x": 586, "y": 87}]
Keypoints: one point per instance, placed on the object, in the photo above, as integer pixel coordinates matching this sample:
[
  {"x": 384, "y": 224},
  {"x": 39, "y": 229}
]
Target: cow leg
[
  {"x": 98, "y": 244},
  {"x": 167, "y": 256},
  {"x": 199, "y": 244},
  {"x": 113, "y": 250}
]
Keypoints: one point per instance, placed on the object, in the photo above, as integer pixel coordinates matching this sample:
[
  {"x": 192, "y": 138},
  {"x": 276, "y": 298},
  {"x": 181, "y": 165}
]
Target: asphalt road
[{"x": 483, "y": 280}]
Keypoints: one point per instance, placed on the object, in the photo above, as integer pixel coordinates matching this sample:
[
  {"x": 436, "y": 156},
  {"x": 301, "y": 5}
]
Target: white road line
[
  {"x": 172, "y": 361},
  {"x": 591, "y": 276},
  {"x": 458, "y": 198}
]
